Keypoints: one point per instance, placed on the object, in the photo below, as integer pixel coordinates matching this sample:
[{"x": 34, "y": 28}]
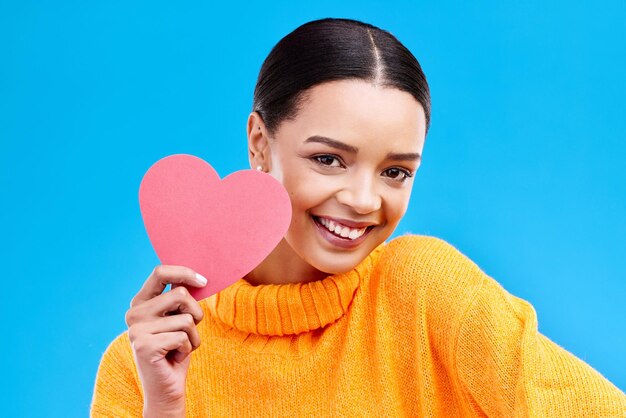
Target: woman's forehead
[{"x": 358, "y": 111}]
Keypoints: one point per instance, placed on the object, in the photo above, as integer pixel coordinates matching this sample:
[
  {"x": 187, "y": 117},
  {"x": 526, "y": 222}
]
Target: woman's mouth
[{"x": 341, "y": 234}]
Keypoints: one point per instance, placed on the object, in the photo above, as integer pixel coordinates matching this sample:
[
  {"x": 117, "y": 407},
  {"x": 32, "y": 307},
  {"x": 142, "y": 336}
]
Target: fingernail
[{"x": 201, "y": 279}]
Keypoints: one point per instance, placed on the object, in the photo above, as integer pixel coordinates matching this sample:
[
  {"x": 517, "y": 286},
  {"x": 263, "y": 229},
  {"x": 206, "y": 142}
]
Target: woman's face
[{"x": 347, "y": 161}]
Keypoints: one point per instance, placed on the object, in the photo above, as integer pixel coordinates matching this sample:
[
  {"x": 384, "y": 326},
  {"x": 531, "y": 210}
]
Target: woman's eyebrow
[
  {"x": 410, "y": 156},
  {"x": 332, "y": 143}
]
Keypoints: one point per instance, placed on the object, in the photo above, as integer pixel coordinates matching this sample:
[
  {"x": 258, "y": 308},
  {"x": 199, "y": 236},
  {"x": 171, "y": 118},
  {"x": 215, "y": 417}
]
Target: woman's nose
[{"x": 360, "y": 196}]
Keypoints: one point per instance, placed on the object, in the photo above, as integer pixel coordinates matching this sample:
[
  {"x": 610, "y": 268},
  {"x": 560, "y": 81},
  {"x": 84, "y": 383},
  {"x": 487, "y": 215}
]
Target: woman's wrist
[{"x": 166, "y": 411}]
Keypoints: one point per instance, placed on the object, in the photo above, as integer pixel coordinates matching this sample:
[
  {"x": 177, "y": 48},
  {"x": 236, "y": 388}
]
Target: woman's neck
[{"x": 284, "y": 266}]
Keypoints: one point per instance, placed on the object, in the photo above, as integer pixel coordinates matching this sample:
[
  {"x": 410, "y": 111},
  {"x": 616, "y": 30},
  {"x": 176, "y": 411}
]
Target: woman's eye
[
  {"x": 398, "y": 174},
  {"x": 327, "y": 160}
]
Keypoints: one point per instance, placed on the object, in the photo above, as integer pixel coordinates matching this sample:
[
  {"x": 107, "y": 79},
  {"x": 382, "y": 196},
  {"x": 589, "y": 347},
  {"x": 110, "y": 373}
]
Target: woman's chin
[{"x": 338, "y": 265}]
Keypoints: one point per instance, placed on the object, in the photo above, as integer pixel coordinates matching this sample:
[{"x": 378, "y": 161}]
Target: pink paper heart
[{"x": 222, "y": 229}]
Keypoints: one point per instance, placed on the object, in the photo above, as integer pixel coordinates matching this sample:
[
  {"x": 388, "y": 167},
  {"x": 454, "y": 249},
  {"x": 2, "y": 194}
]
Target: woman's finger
[
  {"x": 181, "y": 322},
  {"x": 163, "y": 275},
  {"x": 154, "y": 347},
  {"x": 177, "y": 300}
]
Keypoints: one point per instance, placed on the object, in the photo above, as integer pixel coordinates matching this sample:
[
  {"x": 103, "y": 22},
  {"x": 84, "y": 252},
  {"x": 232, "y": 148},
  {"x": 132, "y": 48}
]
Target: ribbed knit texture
[{"x": 416, "y": 329}]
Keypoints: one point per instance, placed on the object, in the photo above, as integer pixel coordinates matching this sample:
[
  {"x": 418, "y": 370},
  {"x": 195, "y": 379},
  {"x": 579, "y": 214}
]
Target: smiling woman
[
  {"x": 347, "y": 160},
  {"x": 336, "y": 321}
]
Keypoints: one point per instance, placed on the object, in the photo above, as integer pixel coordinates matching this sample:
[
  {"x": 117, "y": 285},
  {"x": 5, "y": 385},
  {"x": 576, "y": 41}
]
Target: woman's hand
[{"x": 162, "y": 332}]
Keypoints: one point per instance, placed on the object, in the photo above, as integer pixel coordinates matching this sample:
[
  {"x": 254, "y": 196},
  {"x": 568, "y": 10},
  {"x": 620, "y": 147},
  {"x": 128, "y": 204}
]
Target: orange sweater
[{"x": 416, "y": 329}]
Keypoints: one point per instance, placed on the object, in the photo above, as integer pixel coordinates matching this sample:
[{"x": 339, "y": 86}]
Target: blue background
[{"x": 523, "y": 168}]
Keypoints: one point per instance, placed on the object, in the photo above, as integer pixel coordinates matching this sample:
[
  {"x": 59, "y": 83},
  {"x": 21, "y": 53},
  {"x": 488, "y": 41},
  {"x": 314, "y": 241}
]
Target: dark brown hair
[{"x": 333, "y": 49}]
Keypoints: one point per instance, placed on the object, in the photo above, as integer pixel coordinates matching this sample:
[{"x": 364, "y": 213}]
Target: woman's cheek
[
  {"x": 397, "y": 206},
  {"x": 309, "y": 192}
]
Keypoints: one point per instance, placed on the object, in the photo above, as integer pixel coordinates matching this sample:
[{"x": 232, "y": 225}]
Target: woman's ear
[{"x": 258, "y": 143}]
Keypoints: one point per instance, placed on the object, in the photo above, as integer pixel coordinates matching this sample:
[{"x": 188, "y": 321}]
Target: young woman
[{"x": 336, "y": 321}]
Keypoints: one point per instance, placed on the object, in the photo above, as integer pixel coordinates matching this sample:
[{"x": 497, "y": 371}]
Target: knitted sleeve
[
  {"x": 117, "y": 391},
  {"x": 508, "y": 369}
]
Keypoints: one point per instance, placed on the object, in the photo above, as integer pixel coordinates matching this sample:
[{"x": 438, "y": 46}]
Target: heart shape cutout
[{"x": 222, "y": 229}]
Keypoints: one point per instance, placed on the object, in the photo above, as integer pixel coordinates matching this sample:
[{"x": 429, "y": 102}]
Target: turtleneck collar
[{"x": 293, "y": 308}]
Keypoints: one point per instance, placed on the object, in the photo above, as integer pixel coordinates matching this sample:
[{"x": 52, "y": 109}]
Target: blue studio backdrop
[{"x": 522, "y": 171}]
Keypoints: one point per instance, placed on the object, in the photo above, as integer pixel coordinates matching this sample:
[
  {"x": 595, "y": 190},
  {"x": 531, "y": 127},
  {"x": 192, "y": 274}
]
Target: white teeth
[{"x": 342, "y": 231}]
